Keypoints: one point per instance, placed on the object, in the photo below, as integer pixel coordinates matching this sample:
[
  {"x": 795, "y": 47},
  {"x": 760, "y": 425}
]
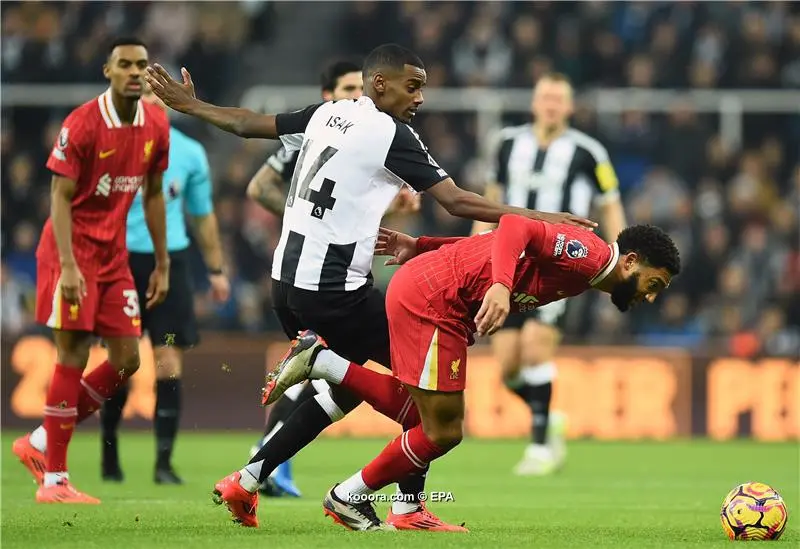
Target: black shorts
[
  {"x": 551, "y": 314},
  {"x": 353, "y": 323},
  {"x": 173, "y": 321}
]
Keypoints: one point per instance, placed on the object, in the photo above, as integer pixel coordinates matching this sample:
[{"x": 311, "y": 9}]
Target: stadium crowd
[{"x": 734, "y": 212}]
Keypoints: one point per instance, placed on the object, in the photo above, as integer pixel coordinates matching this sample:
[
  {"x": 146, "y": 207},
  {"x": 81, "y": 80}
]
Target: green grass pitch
[{"x": 609, "y": 495}]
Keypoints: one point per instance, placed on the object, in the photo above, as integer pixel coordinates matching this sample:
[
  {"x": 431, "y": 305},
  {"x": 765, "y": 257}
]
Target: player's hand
[
  {"x": 72, "y": 285},
  {"x": 176, "y": 95},
  {"x": 398, "y": 245},
  {"x": 158, "y": 286},
  {"x": 220, "y": 288},
  {"x": 568, "y": 218},
  {"x": 494, "y": 310},
  {"x": 406, "y": 202}
]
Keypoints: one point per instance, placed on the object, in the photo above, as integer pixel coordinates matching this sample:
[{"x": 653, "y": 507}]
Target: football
[{"x": 753, "y": 511}]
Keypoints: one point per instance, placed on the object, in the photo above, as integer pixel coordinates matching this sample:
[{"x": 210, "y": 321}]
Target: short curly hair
[{"x": 653, "y": 245}]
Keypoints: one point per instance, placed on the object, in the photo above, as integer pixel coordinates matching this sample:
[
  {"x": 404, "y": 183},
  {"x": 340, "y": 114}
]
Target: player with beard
[{"x": 438, "y": 300}]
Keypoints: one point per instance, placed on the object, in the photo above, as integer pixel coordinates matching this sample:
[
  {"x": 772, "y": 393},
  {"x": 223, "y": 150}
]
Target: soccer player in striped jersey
[
  {"x": 551, "y": 167},
  {"x": 342, "y": 80},
  {"x": 355, "y": 156},
  {"x": 107, "y": 149},
  {"x": 438, "y": 300},
  {"x": 171, "y": 327}
]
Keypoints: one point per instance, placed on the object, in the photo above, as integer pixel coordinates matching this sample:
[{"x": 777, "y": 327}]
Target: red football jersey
[
  {"x": 540, "y": 262},
  {"x": 108, "y": 162}
]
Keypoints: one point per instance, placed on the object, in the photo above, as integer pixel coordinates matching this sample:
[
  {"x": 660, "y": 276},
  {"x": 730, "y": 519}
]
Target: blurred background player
[
  {"x": 171, "y": 326},
  {"x": 551, "y": 167},
  {"x": 107, "y": 149},
  {"x": 341, "y": 80}
]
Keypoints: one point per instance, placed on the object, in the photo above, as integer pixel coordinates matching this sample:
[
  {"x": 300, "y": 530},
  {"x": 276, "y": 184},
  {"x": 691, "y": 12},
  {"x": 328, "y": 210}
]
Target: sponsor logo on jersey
[
  {"x": 119, "y": 184},
  {"x": 559, "y": 248},
  {"x": 103, "y": 185},
  {"x": 576, "y": 249},
  {"x": 522, "y": 297}
]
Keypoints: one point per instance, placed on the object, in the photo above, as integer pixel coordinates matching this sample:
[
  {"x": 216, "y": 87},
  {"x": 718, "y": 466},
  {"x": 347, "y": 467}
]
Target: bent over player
[
  {"x": 171, "y": 327},
  {"x": 107, "y": 149},
  {"x": 438, "y": 300},
  {"x": 355, "y": 156}
]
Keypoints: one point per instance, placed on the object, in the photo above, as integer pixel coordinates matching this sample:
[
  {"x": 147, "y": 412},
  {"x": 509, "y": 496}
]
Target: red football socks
[
  {"x": 60, "y": 414},
  {"x": 386, "y": 394},
  {"x": 96, "y": 387},
  {"x": 407, "y": 454}
]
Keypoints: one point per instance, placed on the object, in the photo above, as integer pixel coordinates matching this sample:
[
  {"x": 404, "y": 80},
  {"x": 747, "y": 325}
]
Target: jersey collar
[
  {"x": 364, "y": 100},
  {"x": 109, "y": 113},
  {"x": 612, "y": 262}
]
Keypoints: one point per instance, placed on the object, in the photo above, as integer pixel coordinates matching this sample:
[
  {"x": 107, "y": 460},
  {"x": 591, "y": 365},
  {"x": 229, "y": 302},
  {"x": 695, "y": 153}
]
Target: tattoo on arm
[{"x": 265, "y": 188}]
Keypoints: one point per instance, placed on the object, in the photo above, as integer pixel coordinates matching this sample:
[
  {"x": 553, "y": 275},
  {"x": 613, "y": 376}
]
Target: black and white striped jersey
[
  {"x": 566, "y": 176},
  {"x": 353, "y": 161}
]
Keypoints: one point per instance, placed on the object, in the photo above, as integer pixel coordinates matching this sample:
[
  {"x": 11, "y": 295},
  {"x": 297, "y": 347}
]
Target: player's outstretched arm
[
  {"x": 403, "y": 247},
  {"x": 181, "y": 97},
  {"x": 461, "y": 203},
  {"x": 265, "y": 188},
  {"x": 493, "y": 193}
]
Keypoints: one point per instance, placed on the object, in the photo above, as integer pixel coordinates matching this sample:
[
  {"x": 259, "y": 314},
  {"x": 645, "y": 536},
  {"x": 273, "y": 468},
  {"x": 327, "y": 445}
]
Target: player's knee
[
  {"x": 539, "y": 344},
  {"x": 169, "y": 363},
  {"x": 510, "y": 369},
  {"x": 443, "y": 420},
  {"x": 126, "y": 364},
  {"x": 73, "y": 350},
  {"x": 446, "y": 435},
  {"x": 75, "y": 357},
  {"x": 131, "y": 364}
]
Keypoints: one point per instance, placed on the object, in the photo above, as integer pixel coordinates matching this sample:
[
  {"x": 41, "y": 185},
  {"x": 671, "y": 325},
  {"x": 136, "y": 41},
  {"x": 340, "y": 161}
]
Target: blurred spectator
[{"x": 482, "y": 56}]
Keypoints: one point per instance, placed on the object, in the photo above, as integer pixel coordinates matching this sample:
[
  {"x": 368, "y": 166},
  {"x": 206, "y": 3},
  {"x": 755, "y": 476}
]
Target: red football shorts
[
  {"x": 109, "y": 308},
  {"x": 428, "y": 349}
]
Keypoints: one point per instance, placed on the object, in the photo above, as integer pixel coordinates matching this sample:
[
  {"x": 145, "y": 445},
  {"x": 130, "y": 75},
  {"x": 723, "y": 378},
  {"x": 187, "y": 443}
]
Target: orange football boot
[
  {"x": 63, "y": 492},
  {"x": 30, "y": 457},
  {"x": 241, "y": 503},
  {"x": 422, "y": 519}
]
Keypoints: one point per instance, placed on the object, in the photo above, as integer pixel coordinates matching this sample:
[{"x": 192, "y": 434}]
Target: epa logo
[
  {"x": 103, "y": 185},
  {"x": 576, "y": 249}
]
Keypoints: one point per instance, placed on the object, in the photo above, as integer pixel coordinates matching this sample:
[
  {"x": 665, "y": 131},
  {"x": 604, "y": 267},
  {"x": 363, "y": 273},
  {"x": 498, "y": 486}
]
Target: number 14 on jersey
[{"x": 321, "y": 200}]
